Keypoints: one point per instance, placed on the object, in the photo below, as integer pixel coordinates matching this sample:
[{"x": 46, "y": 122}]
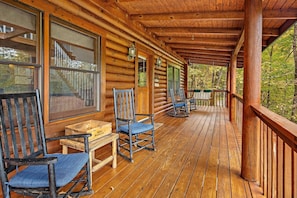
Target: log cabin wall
[
  {"x": 161, "y": 101},
  {"x": 120, "y": 73},
  {"x": 116, "y": 70}
]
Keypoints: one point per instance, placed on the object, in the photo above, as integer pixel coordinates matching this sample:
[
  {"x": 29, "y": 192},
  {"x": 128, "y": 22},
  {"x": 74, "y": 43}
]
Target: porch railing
[
  {"x": 278, "y": 152},
  {"x": 239, "y": 108}
]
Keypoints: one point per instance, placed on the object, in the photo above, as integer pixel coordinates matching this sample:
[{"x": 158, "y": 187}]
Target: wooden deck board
[
  {"x": 185, "y": 177},
  {"x": 197, "y": 156},
  {"x": 224, "y": 180}
]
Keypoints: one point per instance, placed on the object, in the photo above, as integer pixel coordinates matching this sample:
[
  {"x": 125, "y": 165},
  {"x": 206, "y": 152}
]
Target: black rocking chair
[
  {"x": 25, "y": 165},
  {"x": 133, "y": 135}
]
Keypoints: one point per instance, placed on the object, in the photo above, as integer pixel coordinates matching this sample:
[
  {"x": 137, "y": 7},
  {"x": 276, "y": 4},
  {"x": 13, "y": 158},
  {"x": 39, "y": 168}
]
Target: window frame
[
  {"x": 95, "y": 73},
  {"x": 34, "y": 65},
  {"x": 175, "y": 84}
]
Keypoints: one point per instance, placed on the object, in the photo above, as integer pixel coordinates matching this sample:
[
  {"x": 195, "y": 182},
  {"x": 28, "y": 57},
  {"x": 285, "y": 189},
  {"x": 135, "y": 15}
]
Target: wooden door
[{"x": 142, "y": 94}]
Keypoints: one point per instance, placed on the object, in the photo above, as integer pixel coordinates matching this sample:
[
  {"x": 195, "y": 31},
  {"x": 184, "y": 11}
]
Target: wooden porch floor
[{"x": 197, "y": 156}]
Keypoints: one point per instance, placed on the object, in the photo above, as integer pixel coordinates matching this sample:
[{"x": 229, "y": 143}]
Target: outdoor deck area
[{"x": 197, "y": 156}]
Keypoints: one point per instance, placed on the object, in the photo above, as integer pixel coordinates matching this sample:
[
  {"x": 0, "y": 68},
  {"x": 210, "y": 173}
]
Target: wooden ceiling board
[
  {"x": 194, "y": 29},
  {"x": 193, "y": 23},
  {"x": 174, "y": 6}
]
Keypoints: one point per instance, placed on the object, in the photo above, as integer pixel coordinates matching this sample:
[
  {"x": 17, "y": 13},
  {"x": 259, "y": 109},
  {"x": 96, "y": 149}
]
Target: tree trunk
[
  {"x": 294, "y": 108},
  {"x": 269, "y": 78}
]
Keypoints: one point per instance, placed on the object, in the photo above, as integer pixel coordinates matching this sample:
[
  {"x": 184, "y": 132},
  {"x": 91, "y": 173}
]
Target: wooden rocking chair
[
  {"x": 25, "y": 165},
  {"x": 133, "y": 135},
  {"x": 180, "y": 108},
  {"x": 191, "y": 100}
]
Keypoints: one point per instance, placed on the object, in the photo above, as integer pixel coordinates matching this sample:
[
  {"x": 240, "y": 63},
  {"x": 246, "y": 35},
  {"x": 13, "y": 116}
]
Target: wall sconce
[
  {"x": 131, "y": 52},
  {"x": 159, "y": 62}
]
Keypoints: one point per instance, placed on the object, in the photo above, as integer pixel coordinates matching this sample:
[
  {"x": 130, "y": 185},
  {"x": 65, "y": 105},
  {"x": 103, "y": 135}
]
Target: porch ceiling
[{"x": 205, "y": 31}]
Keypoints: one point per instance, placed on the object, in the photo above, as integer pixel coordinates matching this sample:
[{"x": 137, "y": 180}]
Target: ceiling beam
[
  {"x": 168, "y": 31},
  {"x": 209, "y": 62},
  {"x": 200, "y": 47},
  {"x": 195, "y": 30},
  {"x": 202, "y": 52},
  {"x": 280, "y": 14},
  {"x": 193, "y": 40},
  {"x": 214, "y": 15},
  {"x": 187, "y": 56}
]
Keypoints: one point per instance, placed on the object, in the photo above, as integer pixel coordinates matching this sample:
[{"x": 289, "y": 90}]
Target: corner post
[
  {"x": 232, "y": 105},
  {"x": 252, "y": 89}
]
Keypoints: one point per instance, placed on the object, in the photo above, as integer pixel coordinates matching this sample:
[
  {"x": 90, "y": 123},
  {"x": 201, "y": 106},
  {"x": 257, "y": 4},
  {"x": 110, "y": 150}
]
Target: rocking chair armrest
[
  {"x": 151, "y": 117},
  {"x": 82, "y": 135},
  {"x": 31, "y": 161},
  {"x": 124, "y": 120},
  {"x": 144, "y": 114}
]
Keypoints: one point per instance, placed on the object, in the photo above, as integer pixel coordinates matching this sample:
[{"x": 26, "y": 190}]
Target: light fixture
[
  {"x": 131, "y": 52},
  {"x": 159, "y": 62}
]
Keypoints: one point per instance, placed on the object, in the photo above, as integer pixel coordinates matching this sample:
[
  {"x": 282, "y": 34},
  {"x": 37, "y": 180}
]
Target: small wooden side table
[{"x": 94, "y": 145}]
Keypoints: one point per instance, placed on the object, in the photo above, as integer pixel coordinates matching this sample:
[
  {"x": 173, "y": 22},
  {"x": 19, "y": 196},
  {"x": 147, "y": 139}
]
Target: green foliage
[
  {"x": 278, "y": 68},
  {"x": 277, "y": 76},
  {"x": 207, "y": 77}
]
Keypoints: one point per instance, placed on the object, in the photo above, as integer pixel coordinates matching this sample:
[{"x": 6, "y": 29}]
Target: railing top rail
[
  {"x": 284, "y": 128},
  {"x": 238, "y": 97},
  {"x": 214, "y": 90}
]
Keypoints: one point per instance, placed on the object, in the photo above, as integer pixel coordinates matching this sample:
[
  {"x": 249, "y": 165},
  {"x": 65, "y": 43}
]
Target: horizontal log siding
[
  {"x": 160, "y": 94},
  {"x": 117, "y": 72},
  {"x": 120, "y": 73},
  {"x": 161, "y": 102}
]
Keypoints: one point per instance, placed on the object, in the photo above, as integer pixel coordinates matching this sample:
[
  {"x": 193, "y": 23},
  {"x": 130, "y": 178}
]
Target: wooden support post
[
  {"x": 228, "y": 94},
  {"x": 232, "y": 68},
  {"x": 252, "y": 88},
  {"x": 232, "y": 100},
  {"x": 186, "y": 79}
]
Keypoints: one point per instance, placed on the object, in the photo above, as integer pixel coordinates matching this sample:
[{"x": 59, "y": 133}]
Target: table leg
[
  {"x": 64, "y": 149},
  {"x": 91, "y": 165},
  {"x": 114, "y": 153}
]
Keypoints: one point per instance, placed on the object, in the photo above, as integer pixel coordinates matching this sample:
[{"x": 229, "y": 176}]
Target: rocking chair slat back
[
  {"x": 21, "y": 131},
  {"x": 125, "y": 108},
  {"x": 23, "y": 144}
]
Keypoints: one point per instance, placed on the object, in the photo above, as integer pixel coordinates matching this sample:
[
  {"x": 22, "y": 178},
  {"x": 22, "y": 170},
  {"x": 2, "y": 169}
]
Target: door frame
[{"x": 149, "y": 85}]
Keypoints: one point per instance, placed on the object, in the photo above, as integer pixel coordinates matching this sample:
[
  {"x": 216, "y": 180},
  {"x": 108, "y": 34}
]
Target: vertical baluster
[
  {"x": 59, "y": 57},
  {"x": 261, "y": 179},
  {"x": 85, "y": 86},
  {"x": 293, "y": 174},
  {"x": 55, "y": 58},
  {"x": 274, "y": 171}
]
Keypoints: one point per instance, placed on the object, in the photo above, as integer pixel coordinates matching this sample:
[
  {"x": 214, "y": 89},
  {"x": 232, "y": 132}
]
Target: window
[
  {"x": 74, "y": 72},
  {"x": 173, "y": 76},
  {"x": 19, "y": 49},
  {"x": 142, "y": 73}
]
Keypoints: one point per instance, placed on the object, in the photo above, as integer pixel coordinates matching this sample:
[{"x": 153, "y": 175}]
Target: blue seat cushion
[
  {"x": 180, "y": 104},
  {"x": 66, "y": 168},
  {"x": 137, "y": 127}
]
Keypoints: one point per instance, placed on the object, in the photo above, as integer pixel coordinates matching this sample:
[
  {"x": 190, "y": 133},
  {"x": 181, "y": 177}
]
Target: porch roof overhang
[{"x": 202, "y": 32}]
